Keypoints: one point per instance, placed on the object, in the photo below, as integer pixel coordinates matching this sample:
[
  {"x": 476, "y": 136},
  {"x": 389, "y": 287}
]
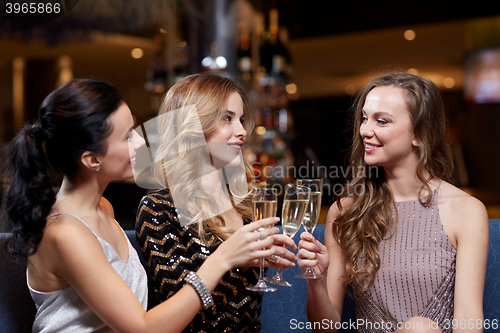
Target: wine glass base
[
  {"x": 307, "y": 275},
  {"x": 278, "y": 281},
  {"x": 260, "y": 286}
]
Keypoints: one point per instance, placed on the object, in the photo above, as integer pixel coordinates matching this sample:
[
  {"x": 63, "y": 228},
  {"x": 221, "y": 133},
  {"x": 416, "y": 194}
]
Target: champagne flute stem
[{"x": 261, "y": 270}]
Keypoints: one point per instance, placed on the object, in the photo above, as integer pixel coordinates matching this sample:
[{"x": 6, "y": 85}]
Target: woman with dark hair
[
  {"x": 412, "y": 246},
  {"x": 82, "y": 272}
]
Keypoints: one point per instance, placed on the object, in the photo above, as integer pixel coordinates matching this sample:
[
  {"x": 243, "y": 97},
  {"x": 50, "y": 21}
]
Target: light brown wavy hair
[
  {"x": 203, "y": 98},
  {"x": 369, "y": 219}
]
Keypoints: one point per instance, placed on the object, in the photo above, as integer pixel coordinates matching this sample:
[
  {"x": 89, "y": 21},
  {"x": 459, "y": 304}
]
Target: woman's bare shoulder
[
  {"x": 65, "y": 228},
  {"x": 458, "y": 202},
  {"x": 460, "y": 212},
  {"x": 336, "y": 208},
  {"x": 64, "y": 239}
]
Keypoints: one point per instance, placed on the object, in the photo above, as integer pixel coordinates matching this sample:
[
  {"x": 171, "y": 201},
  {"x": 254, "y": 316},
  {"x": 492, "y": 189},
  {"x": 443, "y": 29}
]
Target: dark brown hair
[
  {"x": 367, "y": 221},
  {"x": 72, "y": 120}
]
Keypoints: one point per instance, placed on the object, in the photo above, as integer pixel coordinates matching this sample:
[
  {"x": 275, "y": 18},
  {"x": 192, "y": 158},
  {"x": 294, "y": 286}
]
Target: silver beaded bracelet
[{"x": 194, "y": 280}]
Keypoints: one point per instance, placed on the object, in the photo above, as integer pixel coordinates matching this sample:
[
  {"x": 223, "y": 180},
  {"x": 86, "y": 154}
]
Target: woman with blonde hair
[
  {"x": 412, "y": 246},
  {"x": 203, "y": 122}
]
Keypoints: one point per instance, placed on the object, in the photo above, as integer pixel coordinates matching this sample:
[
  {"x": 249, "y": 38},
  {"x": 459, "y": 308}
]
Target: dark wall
[
  {"x": 482, "y": 146},
  {"x": 322, "y": 125},
  {"x": 40, "y": 81}
]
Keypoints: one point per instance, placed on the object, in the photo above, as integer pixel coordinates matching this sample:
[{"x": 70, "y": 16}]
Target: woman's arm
[
  {"x": 284, "y": 259},
  {"x": 325, "y": 295},
  {"x": 471, "y": 231},
  {"x": 83, "y": 264},
  {"x": 167, "y": 255},
  {"x": 160, "y": 238}
]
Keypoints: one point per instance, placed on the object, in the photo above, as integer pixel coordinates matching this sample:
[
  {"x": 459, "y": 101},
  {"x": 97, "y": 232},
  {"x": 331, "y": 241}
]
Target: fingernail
[
  {"x": 309, "y": 237},
  {"x": 277, "y": 219}
]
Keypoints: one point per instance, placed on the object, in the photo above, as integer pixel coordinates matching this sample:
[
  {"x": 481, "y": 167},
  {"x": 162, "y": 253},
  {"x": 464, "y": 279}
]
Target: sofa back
[
  {"x": 17, "y": 310},
  {"x": 282, "y": 311},
  {"x": 491, "y": 298}
]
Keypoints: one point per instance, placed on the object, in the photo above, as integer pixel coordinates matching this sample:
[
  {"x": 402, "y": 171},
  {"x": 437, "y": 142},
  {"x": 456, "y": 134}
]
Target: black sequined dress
[{"x": 171, "y": 250}]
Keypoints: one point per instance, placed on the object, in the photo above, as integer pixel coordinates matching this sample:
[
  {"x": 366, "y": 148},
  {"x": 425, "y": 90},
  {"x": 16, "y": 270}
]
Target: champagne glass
[
  {"x": 311, "y": 216},
  {"x": 265, "y": 203},
  {"x": 294, "y": 207}
]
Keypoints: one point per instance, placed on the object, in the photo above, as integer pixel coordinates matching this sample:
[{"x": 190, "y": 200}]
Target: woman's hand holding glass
[
  {"x": 249, "y": 243},
  {"x": 311, "y": 216},
  {"x": 264, "y": 205},
  {"x": 312, "y": 255},
  {"x": 282, "y": 257}
]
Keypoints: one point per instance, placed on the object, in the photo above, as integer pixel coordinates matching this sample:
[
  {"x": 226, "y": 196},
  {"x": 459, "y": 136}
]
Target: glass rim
[
  {"x": 298, "y": 186},
  {"x": 317, "y": 183},
  {"x": 256, "y": 189},
  {"x": 263, "y": 192}
]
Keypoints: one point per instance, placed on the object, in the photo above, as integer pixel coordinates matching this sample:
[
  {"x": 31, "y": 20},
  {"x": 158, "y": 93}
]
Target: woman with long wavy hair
[
  {"x": 412, "y": 246},
  {"x": 82, "y": 272},
  {"x": 203, "y": 122}
]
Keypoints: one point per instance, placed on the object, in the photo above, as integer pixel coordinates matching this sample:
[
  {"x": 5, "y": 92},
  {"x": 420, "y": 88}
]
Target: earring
[{"x": 98, "y": 168}]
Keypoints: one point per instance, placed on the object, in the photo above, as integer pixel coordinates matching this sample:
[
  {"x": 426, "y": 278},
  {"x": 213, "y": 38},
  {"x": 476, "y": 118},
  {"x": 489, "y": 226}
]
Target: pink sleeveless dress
[{"x": 416, "y": 275}]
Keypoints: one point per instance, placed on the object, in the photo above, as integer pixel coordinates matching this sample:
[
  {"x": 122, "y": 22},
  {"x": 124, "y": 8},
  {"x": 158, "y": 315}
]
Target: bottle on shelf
[
  {"x": 244, "y": 53},
  {"x": 156, "y": 75},
  {"x": 277, "y": 59},
  {"x": 265, "y": 47},
  {"x": 269, "y": 145},
  {"x": 284, "y": 37},
  {"x": 182, "y": 68},
  {"x": 280, "y": 55}
]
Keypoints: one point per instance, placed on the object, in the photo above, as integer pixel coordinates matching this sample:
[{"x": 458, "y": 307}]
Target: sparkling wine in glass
[
  {"x": 312, "y": 215},
  {"x": 265, "y": 203},
  {"x": 294, "y": 208}
]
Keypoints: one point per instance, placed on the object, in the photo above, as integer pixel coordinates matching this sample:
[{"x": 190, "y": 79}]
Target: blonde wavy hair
[
  {"x": 201, "y": 98},
  {"x": 369, "y": 219}
]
